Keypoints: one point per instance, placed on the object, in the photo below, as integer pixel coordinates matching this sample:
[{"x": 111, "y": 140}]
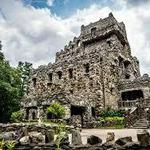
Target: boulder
[
  {"x": 110, "y": 137},
  {"x": 24, "y": 140},
  {"x": 92, "y": 140},
  {"x": 76, "y": 137},
  {"x": 143, "y": 137},
  {"x": 49, "y": 136},
  {"x": 123, "y": 141},
  {"x": 7, "y": 136},
  {"x": 36, "y": 137}
]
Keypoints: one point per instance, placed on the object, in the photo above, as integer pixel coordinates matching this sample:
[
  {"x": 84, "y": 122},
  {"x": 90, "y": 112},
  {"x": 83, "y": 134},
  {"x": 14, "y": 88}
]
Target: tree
[
  {"x": 10, "y": 83},
  {"x": 25, "y": 70}
]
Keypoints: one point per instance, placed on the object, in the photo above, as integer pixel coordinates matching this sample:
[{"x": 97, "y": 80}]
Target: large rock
[
  {"x": 36, "y": 137},
  {"x": 24, "y": 140},
  {"x": 143, "y": 137},
  {"x": 76, "y": 137},
  {"x": 92, "y": 140},
  {"x": 49, "y": 136},
  {"x": 7, "y": 136},
  {"x": 110, "y": 137},
  {"x": 123, "y": 141}
]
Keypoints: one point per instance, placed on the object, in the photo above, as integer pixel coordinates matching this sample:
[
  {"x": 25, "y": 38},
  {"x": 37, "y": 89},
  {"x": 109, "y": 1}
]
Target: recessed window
[
  {"x": 93, "y": 31},
  {"x": 34, "y": 82},
  {"x": 50, "y": 77},
  {"x": 59, "y": 74},
  {"x": 109, "y": 43},
  {"x": 70, "y": 73},
  {"x": 87, "y": 68},
  {"x": 127, "y": 76}
]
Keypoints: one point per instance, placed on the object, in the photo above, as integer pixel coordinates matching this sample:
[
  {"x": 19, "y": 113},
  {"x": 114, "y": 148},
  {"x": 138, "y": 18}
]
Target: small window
[
  {"x": 126, "y": 64},
  {"x": 34, "y": 82},
  {"x": 71, "y": 91},
  {"x": 109, "y": 43},
  {"x": 50, "y": 77},
  {"x": 127, "y": 76},
  {"x": 87, "y": 68},
  {"x": 93, "y": 31},
  {"x": 70, "y": 73},
  {"x": 120, "y": 60},
  {"x": 59, "y": 74}
]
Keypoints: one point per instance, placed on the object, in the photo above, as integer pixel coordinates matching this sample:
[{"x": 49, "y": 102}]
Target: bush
[
  {"x": 56, "y": 110},
  {"x": 109, "y": 112},
  {"x": 111, "y": 121},
  {"x": 16, "y": 116}
]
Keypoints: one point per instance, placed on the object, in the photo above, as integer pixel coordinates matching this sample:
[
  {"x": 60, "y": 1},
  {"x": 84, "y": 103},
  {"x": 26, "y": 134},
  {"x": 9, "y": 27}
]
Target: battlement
[{"x": 96, "y": 31}]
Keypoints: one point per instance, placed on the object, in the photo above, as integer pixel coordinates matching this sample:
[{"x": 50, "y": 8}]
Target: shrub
[
  {"x": 111, "y": 121},
  {"x": 16, "y": 116},
  {"x": 109, "y": 112},
  {"x": 56, "y": 110}
]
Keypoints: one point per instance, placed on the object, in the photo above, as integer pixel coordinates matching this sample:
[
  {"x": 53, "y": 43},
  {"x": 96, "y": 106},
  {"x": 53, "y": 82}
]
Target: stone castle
[{"x": 94, "y": 71}]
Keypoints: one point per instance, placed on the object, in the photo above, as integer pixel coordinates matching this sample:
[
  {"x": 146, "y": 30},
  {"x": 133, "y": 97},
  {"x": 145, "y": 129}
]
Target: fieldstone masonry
[{"x": 94, "y": 71}]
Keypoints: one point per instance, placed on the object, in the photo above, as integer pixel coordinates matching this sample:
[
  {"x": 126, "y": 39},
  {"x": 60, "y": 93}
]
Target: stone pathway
[{"x": 102, "y": 133}]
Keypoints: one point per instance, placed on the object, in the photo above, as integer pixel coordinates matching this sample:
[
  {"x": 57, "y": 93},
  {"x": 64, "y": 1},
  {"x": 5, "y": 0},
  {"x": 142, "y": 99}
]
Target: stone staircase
[{"x": 141, "y": 124}]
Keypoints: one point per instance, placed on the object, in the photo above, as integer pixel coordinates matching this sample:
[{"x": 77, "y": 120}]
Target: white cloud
[
  {"x": 50, "y": 2},
  {"x": 34, "y": 35}
]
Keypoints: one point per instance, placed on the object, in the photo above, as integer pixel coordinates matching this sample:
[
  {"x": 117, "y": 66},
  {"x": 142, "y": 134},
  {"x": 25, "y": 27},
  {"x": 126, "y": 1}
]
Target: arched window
[
  {"x": 50, "y": 77},
  {"x": 59, "y": 74},
  {"x": 93, "y": 31}
]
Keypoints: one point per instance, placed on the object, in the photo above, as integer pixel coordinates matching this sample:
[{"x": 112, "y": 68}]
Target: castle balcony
[{"x": 128, "y": 103}]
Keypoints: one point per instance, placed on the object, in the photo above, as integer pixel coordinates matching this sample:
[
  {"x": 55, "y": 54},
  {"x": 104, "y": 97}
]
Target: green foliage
[
  {"x": 61, "y": 134},
  {"x": 56, "y": 110},
  {"x": 109, "y": 112},
  {"x": 25, "y": 70},
  {"x": 2, "y": 143},
  {"x": 10, "y": 145},
  {"x": 9, "y": 90},
  {"x": 16, "y": 116}
]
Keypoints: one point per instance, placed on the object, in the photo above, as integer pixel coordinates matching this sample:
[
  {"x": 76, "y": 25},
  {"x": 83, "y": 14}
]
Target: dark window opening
[
  {"x": 132, "y": 95},
  {"x": 34, "y": 82},
  {"x": 93, "y": 31},
  {"x": 93, "y": 112},
  {"x": 49, "y": 84},
  {"x": 127, "y": 76},
  {"x": 120, "y": 60},
  {"x": 101, "y": 60},
  {"x": 71, "y": 91},
  {"x": 70, "y": 73},
  {"x": 33, "y": 115},
  {"x": 59, "y": 74},
  {"x": 27, "y": 114},
  {"x": 126, "y": 64},
  {"x": 50, "y": 77},
  {"x": 87, "y": 68},
  {"x": 109, "y": 43}
]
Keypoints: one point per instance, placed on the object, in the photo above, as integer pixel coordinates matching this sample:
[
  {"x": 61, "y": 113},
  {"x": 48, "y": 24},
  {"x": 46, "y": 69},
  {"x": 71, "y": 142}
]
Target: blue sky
[
  {"x": 34, "y": 30},
  {"x": 65, "y": 8}
]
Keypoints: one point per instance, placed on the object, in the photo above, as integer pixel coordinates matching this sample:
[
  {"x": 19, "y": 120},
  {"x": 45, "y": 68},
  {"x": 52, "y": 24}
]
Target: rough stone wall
[{"x": 89, "y": 69}]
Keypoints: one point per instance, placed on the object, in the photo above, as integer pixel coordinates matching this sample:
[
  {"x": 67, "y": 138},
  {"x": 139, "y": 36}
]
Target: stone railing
[{"x": 128, "y": 104}]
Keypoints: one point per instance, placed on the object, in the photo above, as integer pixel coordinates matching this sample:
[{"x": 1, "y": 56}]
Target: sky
[{"x": 34, "y": 30}]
